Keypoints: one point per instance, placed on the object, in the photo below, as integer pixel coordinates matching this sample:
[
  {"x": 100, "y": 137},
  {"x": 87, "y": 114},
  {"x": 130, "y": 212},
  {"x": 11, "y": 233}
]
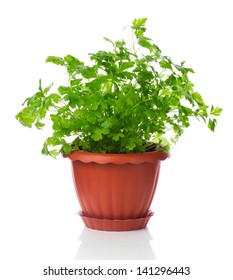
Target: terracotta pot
[{"x": 115, "y": 191}]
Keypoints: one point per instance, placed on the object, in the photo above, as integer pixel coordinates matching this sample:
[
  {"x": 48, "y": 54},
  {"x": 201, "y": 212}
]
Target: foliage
[{"x": 124, "y": 101}]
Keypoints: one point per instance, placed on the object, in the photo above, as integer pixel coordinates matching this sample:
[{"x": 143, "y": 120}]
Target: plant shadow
[{"x": 112, "y": 245}]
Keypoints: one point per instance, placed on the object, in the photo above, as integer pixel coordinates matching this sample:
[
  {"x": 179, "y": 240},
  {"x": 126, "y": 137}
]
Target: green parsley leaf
[
  {"x": 215, "y": 111},
  {"x": 55, "y": 59},
  {"x": 139, "y": 22},
  {"x": 66, "y": 148},
  {"x": 212, "y": 124},
  {"x": 198, "y": 98}
]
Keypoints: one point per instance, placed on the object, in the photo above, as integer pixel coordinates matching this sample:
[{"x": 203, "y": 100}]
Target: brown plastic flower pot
[{"x": 115, "y": 191}]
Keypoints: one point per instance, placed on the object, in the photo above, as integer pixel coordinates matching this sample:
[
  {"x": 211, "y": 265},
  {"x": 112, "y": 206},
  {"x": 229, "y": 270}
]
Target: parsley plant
[{"x": 123, "y": 102}]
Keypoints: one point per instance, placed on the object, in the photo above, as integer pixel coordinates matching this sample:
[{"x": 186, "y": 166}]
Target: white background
[{"x": 192, "y": 225}]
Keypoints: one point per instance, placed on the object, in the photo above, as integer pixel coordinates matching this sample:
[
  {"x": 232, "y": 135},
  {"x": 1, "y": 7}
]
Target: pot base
[{"x": 116, "y": 225}]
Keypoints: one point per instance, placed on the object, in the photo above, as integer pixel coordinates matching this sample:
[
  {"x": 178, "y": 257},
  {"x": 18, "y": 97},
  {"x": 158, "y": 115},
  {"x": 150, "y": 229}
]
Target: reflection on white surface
[{"x": 109, "y": 245}]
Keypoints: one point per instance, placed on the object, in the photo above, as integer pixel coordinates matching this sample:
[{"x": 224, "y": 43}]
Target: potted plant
[{"x": 116, "y": 119}]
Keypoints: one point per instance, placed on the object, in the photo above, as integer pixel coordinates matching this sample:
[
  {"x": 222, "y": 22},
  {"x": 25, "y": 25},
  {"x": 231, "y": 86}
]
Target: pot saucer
[{"x": 116, "y": 225}]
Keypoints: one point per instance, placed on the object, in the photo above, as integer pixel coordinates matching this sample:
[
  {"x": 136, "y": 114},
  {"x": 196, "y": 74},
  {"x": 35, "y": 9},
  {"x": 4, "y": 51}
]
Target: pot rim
[{"x": 101, "y": 158}]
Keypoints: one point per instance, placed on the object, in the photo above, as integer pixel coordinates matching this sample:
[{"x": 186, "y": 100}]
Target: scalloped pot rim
[{"x": 134, "y": 158}]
